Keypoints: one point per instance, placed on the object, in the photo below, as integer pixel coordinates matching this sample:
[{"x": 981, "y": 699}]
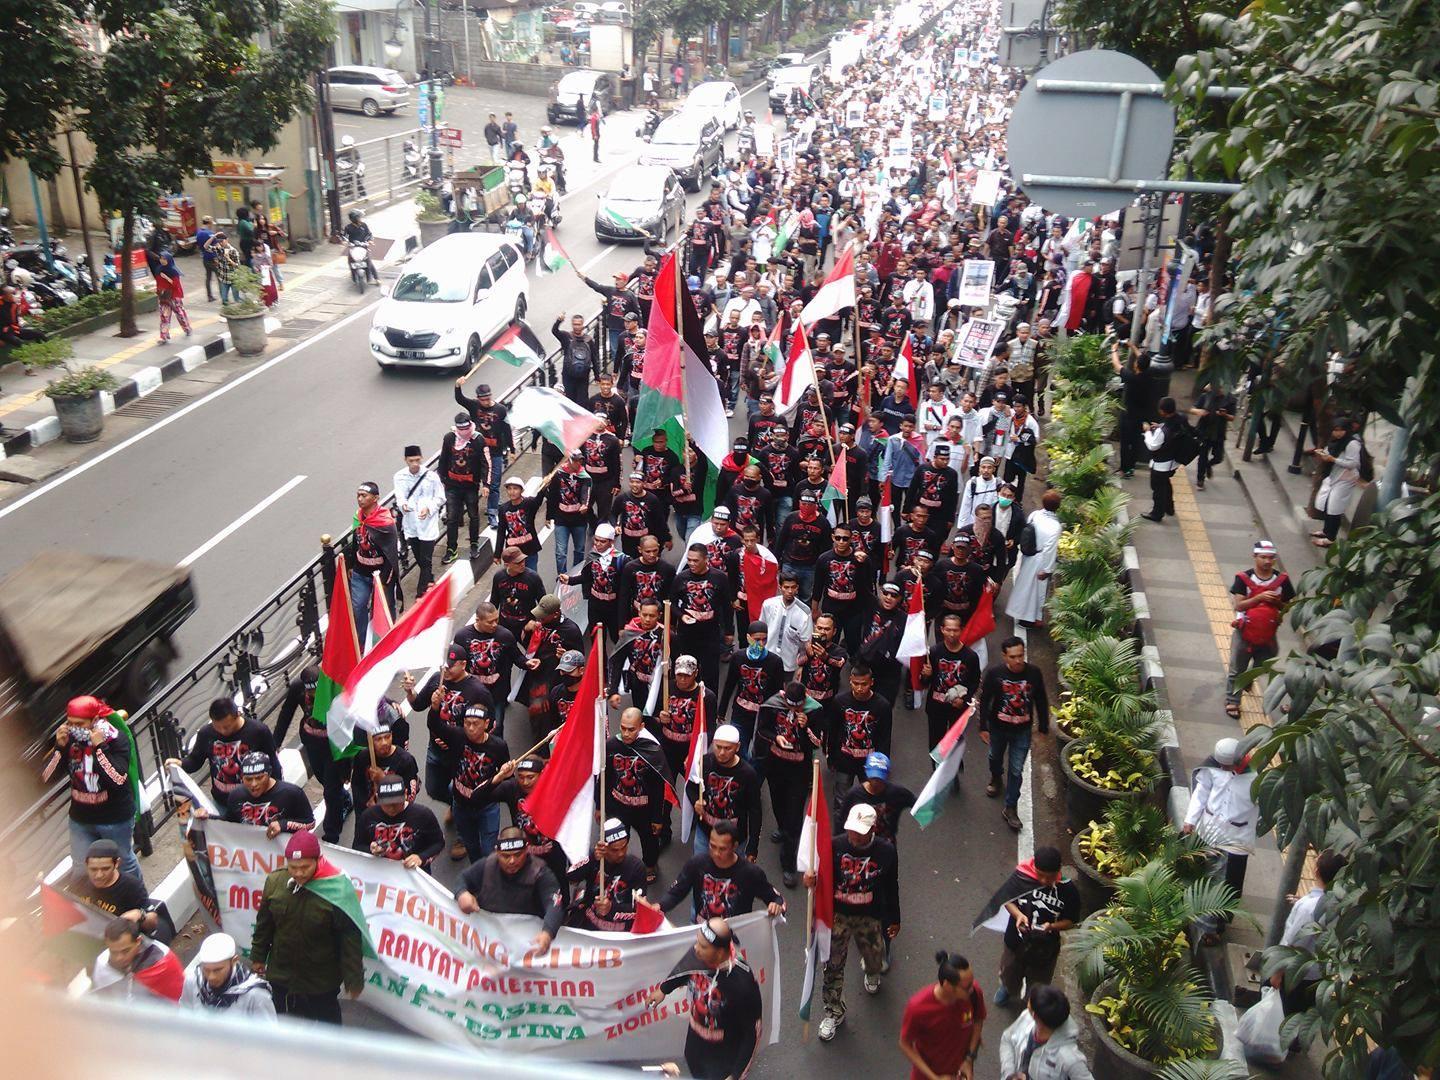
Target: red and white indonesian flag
[
  {"x": 905, "y": 369},
  {"x": 815, "y": 856},
  {"x": 912, "y": 642},
  {"x": 759, "y": 577},
  {"x": 418, "y": 640},
  {"x": 562, "y": 803},
  {"x": 695, "y": 764},
  {"x": 886, "y": 516},
  {"x": 553, "y": 415},
  {"x": 836, "y": 294},
  {"x": 798, "y": 376},
  {"x": 381, "y": 621}
]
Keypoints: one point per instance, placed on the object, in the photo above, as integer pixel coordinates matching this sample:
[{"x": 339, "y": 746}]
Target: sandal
[
  {"x": 1232, "y": 711},
  {"x": 1323, "y": 542}
]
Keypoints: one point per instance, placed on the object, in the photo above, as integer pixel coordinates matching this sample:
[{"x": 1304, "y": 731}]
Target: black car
[
  {"x": 690, "y": 144},
  {"x": 644, "y": 203},
  {"x": 570, "y": 99}
]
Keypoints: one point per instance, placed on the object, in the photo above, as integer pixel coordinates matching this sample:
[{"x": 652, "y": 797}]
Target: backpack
[
  {"x": 1029, "y": 541},
  {"x": 1367, "y": 465},
  {"x": 1183, "y": 444}
]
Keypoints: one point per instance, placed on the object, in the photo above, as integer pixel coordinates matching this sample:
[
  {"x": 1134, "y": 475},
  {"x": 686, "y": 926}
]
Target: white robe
[{"x": 1027, "y": 597}]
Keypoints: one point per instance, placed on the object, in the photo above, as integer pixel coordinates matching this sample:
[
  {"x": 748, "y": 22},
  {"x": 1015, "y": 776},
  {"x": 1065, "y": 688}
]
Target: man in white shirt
[
  {"x": 1223, "y": 812},
  {"x": 789, "y": 623},
  {"x": 1302, "y": 927},
  {"x": 745, "y": 304},
  {"x": 419, "y": 496},
  {"x": 934, "y": 414},
  {"x": 920, "y": 300}
]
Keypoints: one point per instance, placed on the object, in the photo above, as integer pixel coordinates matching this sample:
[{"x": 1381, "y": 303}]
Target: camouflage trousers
[{"x": 869, "y": 939}]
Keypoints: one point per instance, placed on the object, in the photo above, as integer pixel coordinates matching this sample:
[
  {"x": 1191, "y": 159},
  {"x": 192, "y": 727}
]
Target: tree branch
[{"x": 1405, "y": 732}]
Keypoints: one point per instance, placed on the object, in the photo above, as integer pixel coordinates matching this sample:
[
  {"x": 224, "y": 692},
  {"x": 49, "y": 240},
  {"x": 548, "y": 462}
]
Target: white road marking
[
  {"x": 86, "y": 466},
  {"x": 241, "y": 521}
]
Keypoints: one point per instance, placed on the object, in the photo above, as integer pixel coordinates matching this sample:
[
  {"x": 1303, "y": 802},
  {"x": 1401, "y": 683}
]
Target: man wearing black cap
[
  {"x": 275, "y": 805},
  {"x": 515, "y": 591},
  {"x": 725, "y": 1008},
  {"x": 613, "y": 906},
  {"x": 779, "y": 468},
  {"x": 462, "y": 468},
  {"x": 700, "y": 611},
  {"x": 509, "y": 881},
  {"x": 374, "y": 549},
  {"x": 763, "y": 422},
  {"x": 494, "y": 655},
  {"x": 749, "y": 500},
  {"x": 516, "y": 527},
  {"x": 493, "y": 426},
  {"x": 639, "y": 513},
  {"x": 565, "y": 687},
  {"x": 865, "y": 532},
  {"x": 397, "y": 828},
  {"x": 388, "y": 758},
  {"x": 732, "y": 465},
  {"x": 845, "y": 584},
  {"x": 420, "y": 496},
  {"x": 936, "y": 488},
  {"x": 785, "y": 742},
  {"x": 635, "y": 779},
  {"x": 479, "y": 757}
]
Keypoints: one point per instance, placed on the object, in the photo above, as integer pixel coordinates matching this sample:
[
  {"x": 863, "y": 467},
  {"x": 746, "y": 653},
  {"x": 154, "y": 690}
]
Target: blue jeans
[
  {"x": 806, "y": 575},
  {"x": 752, "y": 406},
  {"x": 612, "y": 352},
  {"x": 568, "y": 538},
  {"x": 1012, "y": 740},
  {"x": 122, "y": 832},
  {"x": 226, "y": 288},
  {"x": 685, "y": 524},
  {"x": 497, "y": 472},
  {"x": 361, "y": 586},
  {"x": 781, "y": 508},
  {"x": 477, "y": 828}
]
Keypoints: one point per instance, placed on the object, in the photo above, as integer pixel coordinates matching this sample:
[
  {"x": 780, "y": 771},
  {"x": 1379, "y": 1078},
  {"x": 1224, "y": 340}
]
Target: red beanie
[{"x": 303, "y": 845}]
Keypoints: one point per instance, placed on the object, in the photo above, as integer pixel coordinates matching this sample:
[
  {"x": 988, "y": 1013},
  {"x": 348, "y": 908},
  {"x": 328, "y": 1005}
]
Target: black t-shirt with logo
[{"x": 284, "y": 802}]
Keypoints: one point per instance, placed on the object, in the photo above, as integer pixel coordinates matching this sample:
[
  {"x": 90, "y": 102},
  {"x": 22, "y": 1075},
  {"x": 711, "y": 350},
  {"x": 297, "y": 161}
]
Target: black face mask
[{"x": 751, "y": 485}]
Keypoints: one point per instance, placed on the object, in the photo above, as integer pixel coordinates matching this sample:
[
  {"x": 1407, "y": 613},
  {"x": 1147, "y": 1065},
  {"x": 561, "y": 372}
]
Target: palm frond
[{"x": 1204, "y": 1069}]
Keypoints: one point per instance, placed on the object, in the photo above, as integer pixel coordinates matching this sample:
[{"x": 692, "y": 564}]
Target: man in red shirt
[{"x": 940, "y": 1031}]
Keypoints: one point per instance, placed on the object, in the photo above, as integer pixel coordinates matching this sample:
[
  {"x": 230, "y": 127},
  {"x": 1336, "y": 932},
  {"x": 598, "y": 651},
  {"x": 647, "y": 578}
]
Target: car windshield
[
  {"x": 577, "y": 82},
  {"x": 790, "y": 75},
  {"x": 419, "y": 287},
  {"x": 674, "y": 133}
]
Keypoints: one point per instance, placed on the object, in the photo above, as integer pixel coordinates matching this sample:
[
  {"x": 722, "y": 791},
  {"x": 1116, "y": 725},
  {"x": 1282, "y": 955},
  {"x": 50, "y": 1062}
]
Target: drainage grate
[{"x": 153, "y": 406}]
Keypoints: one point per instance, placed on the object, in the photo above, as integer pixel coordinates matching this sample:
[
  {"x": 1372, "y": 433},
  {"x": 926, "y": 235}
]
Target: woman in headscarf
[{"x": 1342, "y": 461}]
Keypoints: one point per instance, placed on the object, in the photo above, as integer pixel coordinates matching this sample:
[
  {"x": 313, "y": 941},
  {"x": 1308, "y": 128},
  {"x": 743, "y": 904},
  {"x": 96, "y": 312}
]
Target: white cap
[
  {"x": 216, "y": 949},
  {"x": 605, "y": 531},
  {"x": 1227, "y": 751},
  {"x": 727, "y": 733},
  {"x": 514, "y": 480},
  {"x": 861, "y": 818}
]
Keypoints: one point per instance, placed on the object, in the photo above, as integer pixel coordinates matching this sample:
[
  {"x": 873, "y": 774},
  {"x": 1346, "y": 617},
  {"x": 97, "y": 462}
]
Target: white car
[
  {"x": 449, "y": 302},
  {"x": 718, "y": 100},
  {"x": 584, "y": 8}
]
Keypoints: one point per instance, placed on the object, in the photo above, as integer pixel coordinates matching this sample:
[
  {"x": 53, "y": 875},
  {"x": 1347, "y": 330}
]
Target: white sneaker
[
  {"x": 872, "y": 984},
  {"x": 829, "y": 1026}
]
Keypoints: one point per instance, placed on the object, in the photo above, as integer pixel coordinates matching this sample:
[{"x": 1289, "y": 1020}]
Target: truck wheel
[{"x": 147, "y": 674}]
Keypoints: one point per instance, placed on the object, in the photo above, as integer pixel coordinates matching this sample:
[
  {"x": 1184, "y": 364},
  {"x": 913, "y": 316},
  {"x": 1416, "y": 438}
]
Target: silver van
[{"x": 371, "y": 90}]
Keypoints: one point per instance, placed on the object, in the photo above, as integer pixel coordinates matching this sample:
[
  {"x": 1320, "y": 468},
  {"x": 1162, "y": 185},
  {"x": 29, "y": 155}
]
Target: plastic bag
[{"x": 1259, "y": 1029}]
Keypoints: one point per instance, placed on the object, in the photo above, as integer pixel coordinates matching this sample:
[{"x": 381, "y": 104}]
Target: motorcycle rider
[
  {"x": 746, "y": 145},
  {"x": 358, "y": 234},
  {"x": 552, "y": 155},
  {"x": 545, "y": 188},
  {"x": 517, "y": 154},
  {"x": 521, "y": 213}
]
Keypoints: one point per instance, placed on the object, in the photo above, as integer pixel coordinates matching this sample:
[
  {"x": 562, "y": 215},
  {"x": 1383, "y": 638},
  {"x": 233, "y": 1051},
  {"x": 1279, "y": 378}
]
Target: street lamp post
[{"x": 393, "y": 48}]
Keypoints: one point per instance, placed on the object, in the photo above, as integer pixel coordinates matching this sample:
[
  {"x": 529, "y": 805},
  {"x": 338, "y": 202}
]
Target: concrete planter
[
  {"x": 1113, "y": 1061},
  {"x": 1084, "y": 802},
  {"x": 247, "y": 333},
  {"x": 81, "y": 417},
  {"x": 430, "y": 231},
  {"x": 1095, "y": 888}
]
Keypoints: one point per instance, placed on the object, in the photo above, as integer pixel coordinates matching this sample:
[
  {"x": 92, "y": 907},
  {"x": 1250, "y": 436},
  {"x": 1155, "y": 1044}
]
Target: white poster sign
[
  {"x": 939, "y": 105},
  {"x": 987, "y": 188},
  {"x": 475, "y": 980},
  {"x": 976, "y": 341},
  {"x": 976, "y": 276}
]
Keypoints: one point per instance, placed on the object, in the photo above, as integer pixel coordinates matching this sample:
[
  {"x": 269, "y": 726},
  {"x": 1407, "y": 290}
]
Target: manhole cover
[{"x": 154, "y": 405}]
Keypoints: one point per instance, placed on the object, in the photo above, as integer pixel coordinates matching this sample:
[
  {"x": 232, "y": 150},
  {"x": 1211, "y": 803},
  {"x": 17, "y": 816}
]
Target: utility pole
[
  {"x": 437, "y": 169},
  {"x": 326, "y": 127}
]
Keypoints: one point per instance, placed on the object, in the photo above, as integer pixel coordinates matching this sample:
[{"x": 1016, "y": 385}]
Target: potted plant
[
  {"x": 1130, "y": 835},
  {"x": 1089, "y": 607},
  {"x": 431, "y": 217},
  {"x": 1146, "y": 1005},
  {"x": 1118, "y": 758},
  {"x": 51, "y": 352},
  {"x": 1102, "y": 673},
  {"x": 78, "y": 406},
  {"x": 245, "y": 315}
]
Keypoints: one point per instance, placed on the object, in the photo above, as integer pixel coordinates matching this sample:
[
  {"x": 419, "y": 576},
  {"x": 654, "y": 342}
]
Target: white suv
[
  {"x": 449, "y": 302},
  {"x": 370, "y": 90}
]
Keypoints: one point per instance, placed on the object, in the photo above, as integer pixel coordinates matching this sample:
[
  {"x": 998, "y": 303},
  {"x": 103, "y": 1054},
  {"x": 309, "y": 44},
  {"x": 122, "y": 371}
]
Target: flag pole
[
  {"x": 605, "y": 738},
  {"x": 814, "y": 860},
  {"x": 664, "y": 672}
]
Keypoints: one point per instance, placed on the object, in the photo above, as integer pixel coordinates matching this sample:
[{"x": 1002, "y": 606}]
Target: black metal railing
[{"x": 254, "y": 664}]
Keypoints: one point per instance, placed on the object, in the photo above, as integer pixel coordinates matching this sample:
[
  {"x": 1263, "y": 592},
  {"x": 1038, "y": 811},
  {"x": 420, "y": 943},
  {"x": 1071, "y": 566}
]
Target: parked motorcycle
[{"x": 411, "y": 154}]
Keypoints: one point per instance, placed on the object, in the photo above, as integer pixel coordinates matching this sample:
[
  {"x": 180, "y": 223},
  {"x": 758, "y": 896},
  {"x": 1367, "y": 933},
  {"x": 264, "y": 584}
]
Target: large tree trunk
[{"x": 128, "y": 326}]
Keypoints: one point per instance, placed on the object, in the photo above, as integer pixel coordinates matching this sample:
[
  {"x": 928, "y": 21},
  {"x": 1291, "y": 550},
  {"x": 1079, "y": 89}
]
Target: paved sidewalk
[{"x": 1196, "y": 555}]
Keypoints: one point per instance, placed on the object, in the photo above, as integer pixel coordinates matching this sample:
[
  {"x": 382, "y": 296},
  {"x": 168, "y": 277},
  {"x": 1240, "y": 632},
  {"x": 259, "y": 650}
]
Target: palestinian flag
[
  {"x": 553, "y": 259},
  {"x": 562, "y": 802},
  {"x": 677, "y": 392},
  {"x": 69, "y": 926},
  {"x": 155, "y": 969},
  {"x": 338, "y": 660},
  {"x": 814, "y": 856},
  {"x": 330, "y": 884},
  {"x": 694, "y": 765},
  {"x": 773, "y": 352},
  {"x": 760, "y": 578},
  {"x": 518, "y": 346},
  {"x": 623, "y": 221},
  {"x": 982, "y": 620},
  {"x": 785, "y": 230},
  {"x": 549, "y": 412},
  {"x": 836, "y": 491},
  {"x": 947, "y": 755},
  {"x": 380, "y": 618}
]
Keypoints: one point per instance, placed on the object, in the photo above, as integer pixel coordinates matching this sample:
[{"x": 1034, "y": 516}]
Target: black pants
[
  {"x": 1131, "y": 439},
  {"x": 324, "y": 1008},
  {"x": 789, "y": 788},
  {"x": 1331, "y": 526},
  {"x": 1014, "y": 475},
  {"x": 850, "y": 625},
  {"x": 706, "y": 648},
  {"x": 641, "y": 821},
  {"x": 461, "y": 502},
  {"x": 578, "y": 391},
  {"x": 210, "y": 276},
  {"x": 423, "y": 552},
  {"x": 332, "y": 781},
  {"x": 1211, "y": 454},
  {"x": 1162, "y": 493}
]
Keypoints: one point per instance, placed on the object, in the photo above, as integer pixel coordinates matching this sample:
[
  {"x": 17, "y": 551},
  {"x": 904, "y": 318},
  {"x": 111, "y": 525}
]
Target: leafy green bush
[
  {"x": 246, "y": 284},
  {"x": 53, "y": 352},
  {"x": 87, "y": 307},
  {"x": 81, "y": 383}
]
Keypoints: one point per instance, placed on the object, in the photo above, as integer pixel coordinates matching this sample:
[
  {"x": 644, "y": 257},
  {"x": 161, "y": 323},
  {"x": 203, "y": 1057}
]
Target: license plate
[{"x": 410, "y": 354}]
